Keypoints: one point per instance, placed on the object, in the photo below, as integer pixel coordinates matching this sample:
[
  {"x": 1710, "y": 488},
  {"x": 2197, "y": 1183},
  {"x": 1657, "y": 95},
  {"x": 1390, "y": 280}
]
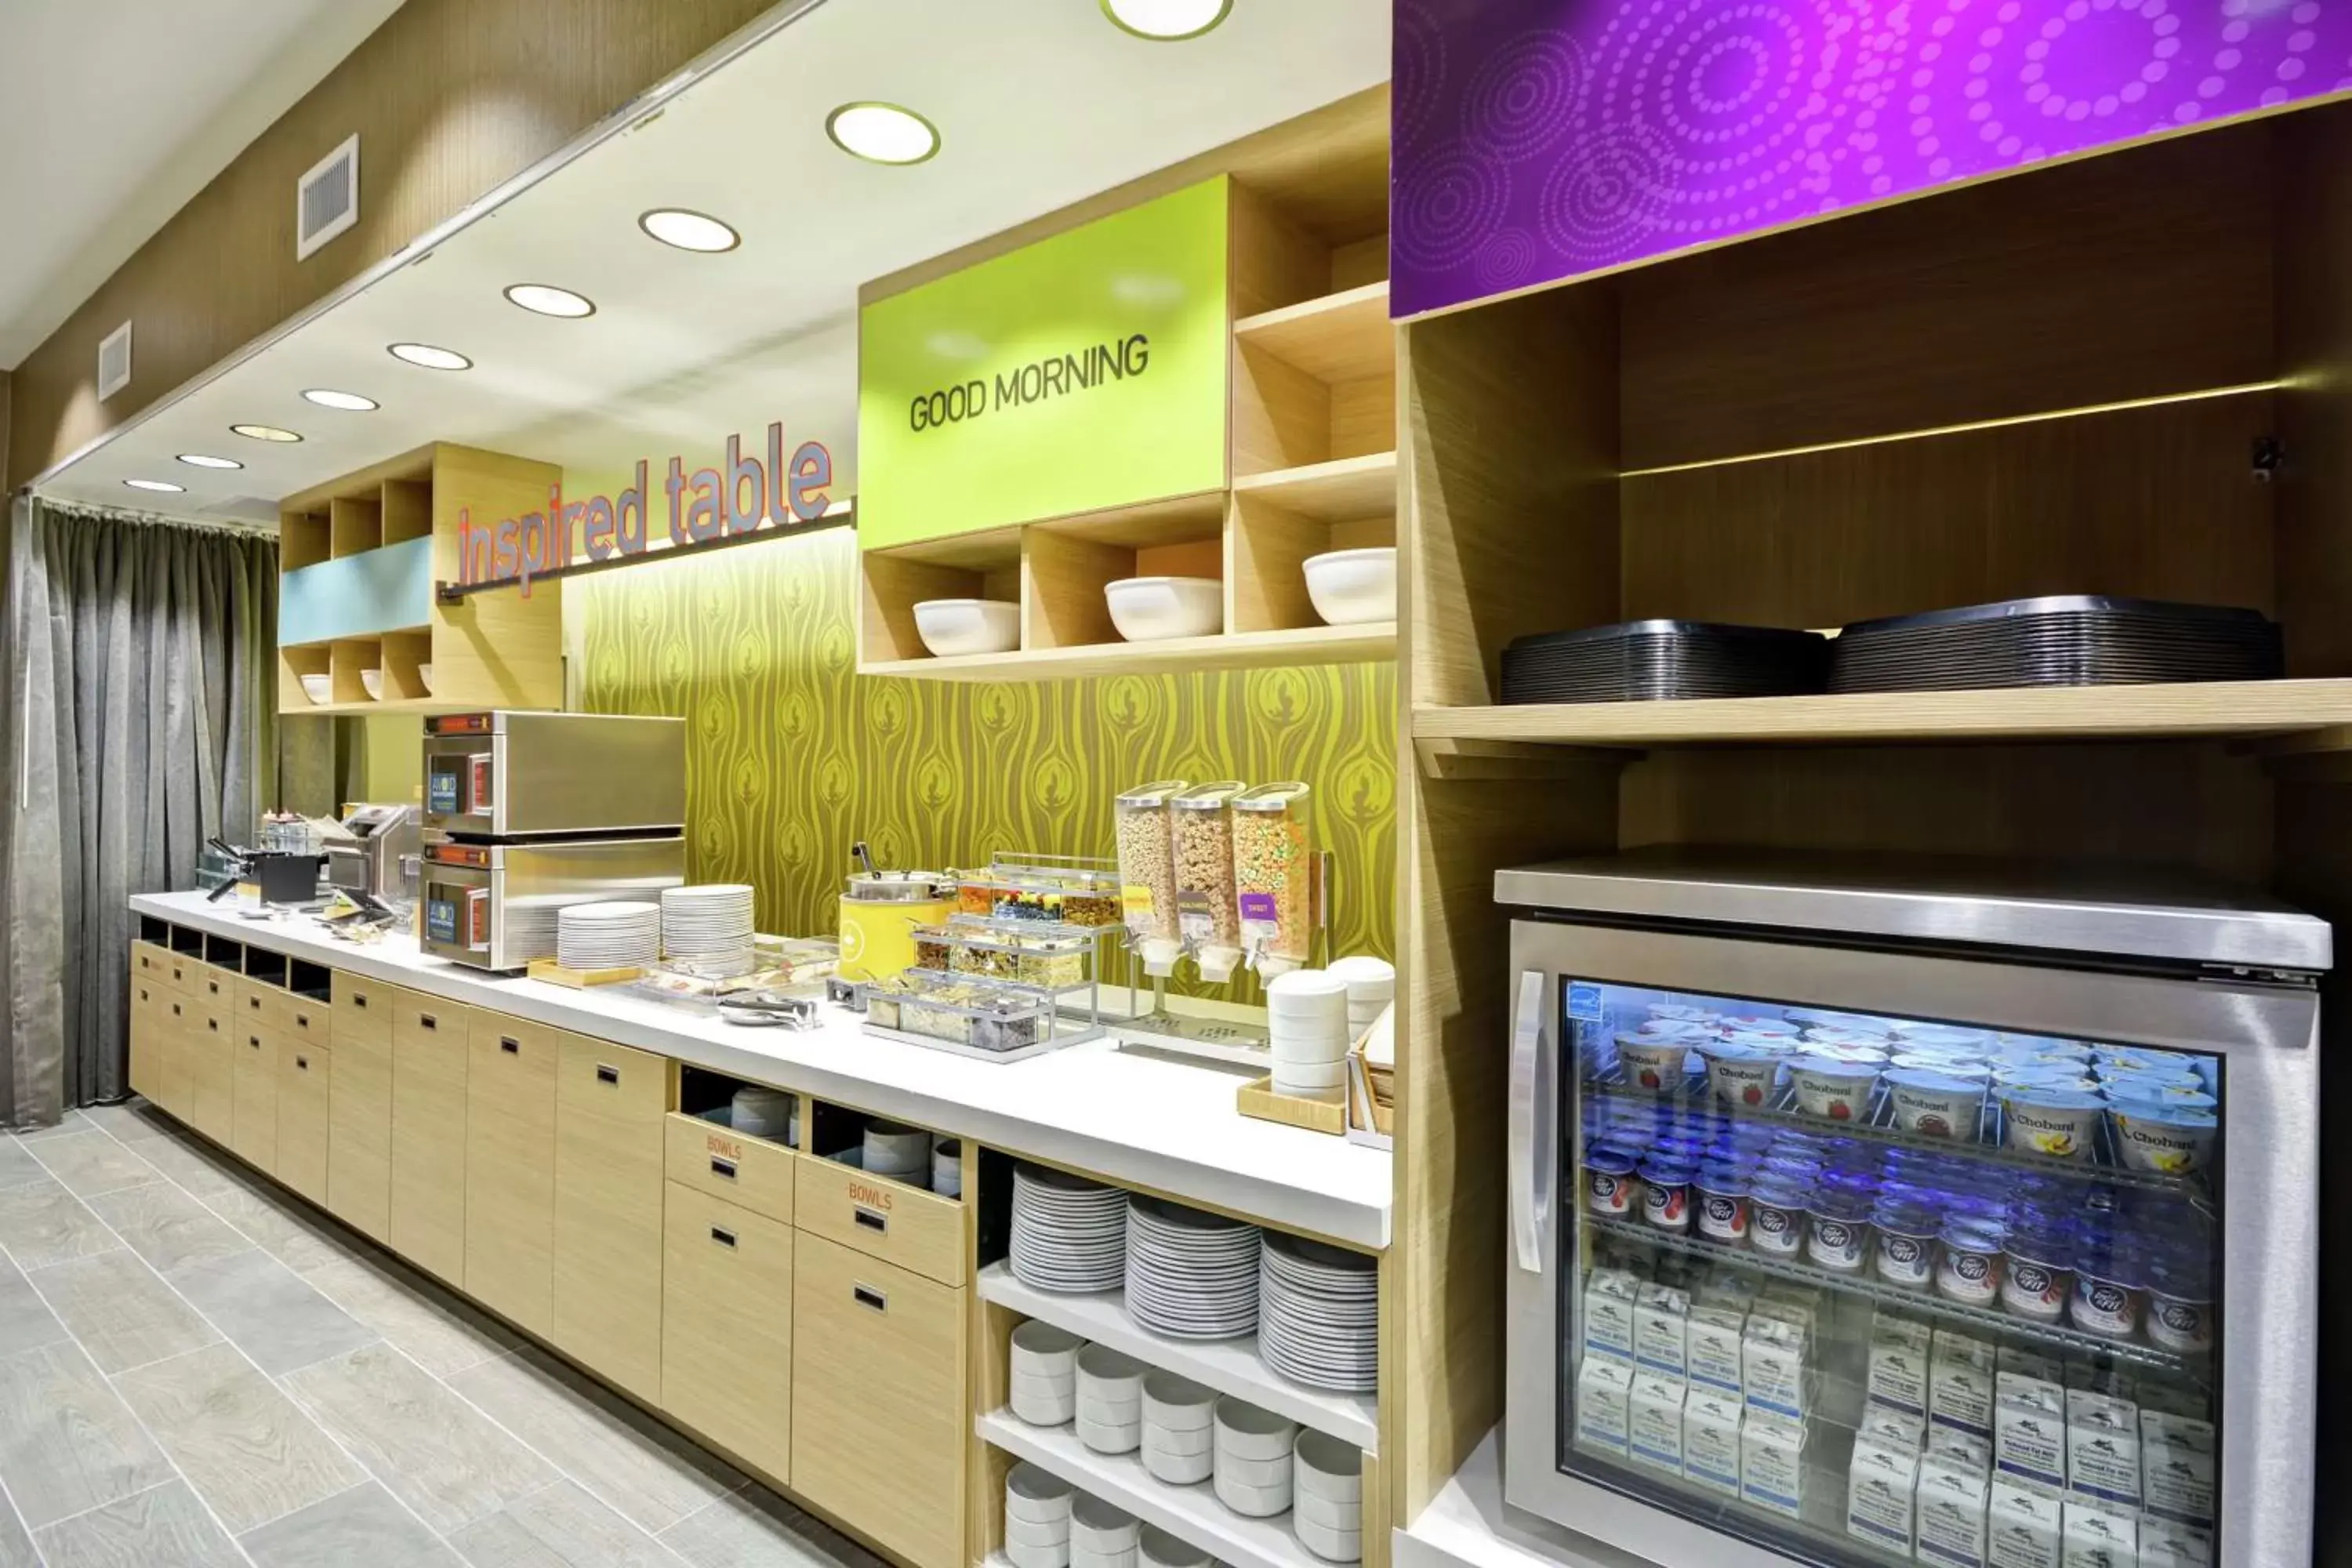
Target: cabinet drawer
[
  {"x": 878, "y": 1421},
  {"x": 152, "y": 962},
  {"x": 363, "y": 1008},
  {"x": 260, "y": 1006},
  {"x": 306, "y": 1019},
  {"x": 886, "y": 1219},
  {"x": 149, "y": 1016},
  {"x": 176, "y": 1051},
  {"x": 253, "y": 1083},
  {"x": 213, "y": 986},
  {"x": 211, "y": 1066},
  {"x": 727, "y": 1326},
  {"x": 510, "y": 1167},
  {"x": 305, "y": 1079},
  {"x": 712, "y": 1159},
  {"x": 359, "y": 1120},
  {"x": 610, "y": 1105},
  {"x": 428, "y": 1212}
]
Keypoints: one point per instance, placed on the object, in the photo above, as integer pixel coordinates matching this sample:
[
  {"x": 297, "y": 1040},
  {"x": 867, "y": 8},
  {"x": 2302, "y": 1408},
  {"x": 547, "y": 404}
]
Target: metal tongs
[{"x": 768, "y": 1010}]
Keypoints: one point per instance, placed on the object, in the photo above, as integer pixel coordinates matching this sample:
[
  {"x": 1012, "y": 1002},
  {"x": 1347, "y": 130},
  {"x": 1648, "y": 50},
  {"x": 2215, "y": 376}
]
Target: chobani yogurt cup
[
  {"x": 2172, "y": 1093},
  {"x": 1936, "y": 1104},
  {"x": 1675, "y": 1029},
  {"x": 1950, "y": 1066},
  {"x": 2048, "y": 1075},
  {"x": 1970, "y": 1269},
  {"x": 1945, "y": 1037},
  {"x": 1652, "y": 1063},
  {"x": 2171, "y": 1139},
  {"x": 1609, "y": 1183},
  {"x": 1665, "y": 1194},
  {"x": 2061, "y": 1122},
  {"x": 2180, "y": 1305},
  {"x": 1739, "y": 1074},
  {"x": 1776, "y": 1214},
  {"x": 2038, "y": 1275},
  {"x": 1832, "y": 1089}
]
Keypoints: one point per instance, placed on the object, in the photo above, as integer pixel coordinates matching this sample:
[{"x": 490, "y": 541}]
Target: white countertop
[{"x": 1130, "y": 1117}]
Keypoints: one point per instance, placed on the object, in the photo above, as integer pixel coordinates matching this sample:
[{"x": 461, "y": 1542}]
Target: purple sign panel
[{"x": 1540, "y": 139}]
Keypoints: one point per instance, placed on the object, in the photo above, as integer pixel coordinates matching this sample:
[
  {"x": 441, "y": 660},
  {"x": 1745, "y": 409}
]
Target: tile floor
[{"x": 198, "y": 1369}]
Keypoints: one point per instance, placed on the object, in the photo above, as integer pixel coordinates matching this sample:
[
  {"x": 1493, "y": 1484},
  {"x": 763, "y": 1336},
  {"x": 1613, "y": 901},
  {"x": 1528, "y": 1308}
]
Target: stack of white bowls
[
  {"x": 1371, "y": 986},
  {"x": 607, "y": 936},
  {"x": 1045, "y": 1374},
  {"x": 710, "y": 924},
  {"x": 894, "y": 1150},
  {"x": 1328, "y": 1500},
  {"x": 1037, "y": 1506},
  {"x": 1179, "y": 1418},
  {"x": 947, "y": 1167},
  {"x": 1162, "y": 1549},
  {"x": 759, "y": 1111},
  {"x": 1102, "y": 1536},
  {"x": 1253, "y": 1465},
  {"x": 1307, "y": 1015},
  {"x": 1110, "y": 1400}
]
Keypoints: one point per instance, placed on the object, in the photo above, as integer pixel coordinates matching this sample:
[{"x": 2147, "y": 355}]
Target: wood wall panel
[{"x": 449, "y": 99}]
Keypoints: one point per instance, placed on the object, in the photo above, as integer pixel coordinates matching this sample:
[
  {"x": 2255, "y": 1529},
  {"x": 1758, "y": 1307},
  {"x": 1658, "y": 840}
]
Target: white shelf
[
  {"x": 1191, "y": 1512},
  {"x": 1229, "y": 1366}
]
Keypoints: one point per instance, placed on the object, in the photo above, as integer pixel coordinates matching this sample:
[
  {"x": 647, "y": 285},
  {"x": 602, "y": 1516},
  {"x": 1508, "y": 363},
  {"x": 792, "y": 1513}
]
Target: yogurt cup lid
[
  {"x": 2181, "y": 1276},
  {"x": 1948, "y": 1035},
  {"x": 2140, "y": 1098},
  {"x": 1729, "y": 1049},
  {"x": 1670, "y": 1029},
  {"x": 2166, "y": 1113},
  {"x": 1616, "y": 1161},
  {"x": 2049, "y": 1099},
  {"x": 1684, "y": 1010},
  {"x": 1870, "y": 1023},
  {"x": 1719, "y": 1177},
  {"x": 1834, "y": 1066},
  {"x": 1667, "y": 1172},
  {"x": 1970, "y": 1234},
  {"x": 1934, "y": 1082},
  {"x": 1755, "y": 1024},
  {"x": 1829, "y": 1201},
  {"x": 1905, "y": 1215}
]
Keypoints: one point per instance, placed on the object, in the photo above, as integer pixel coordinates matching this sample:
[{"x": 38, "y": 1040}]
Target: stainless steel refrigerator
[{"x": 1865, "y": 1212}]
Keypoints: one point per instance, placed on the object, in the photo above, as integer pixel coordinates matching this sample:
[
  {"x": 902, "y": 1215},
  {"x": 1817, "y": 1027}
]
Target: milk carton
[
  {"x": 1790, "y": 1304},
  {"x": 1892, "y": 1427},
  {"x": 1963, "y": 1448},
  {"x": 1898, "y": 1365},
  {"x": 2175, "y": 1457},
  {"x": 1727, "y": 1288},
  {"x": 1950, "y": 1520},
  {"x": 1661, "y": 1316},
  {"x": 2029, "y": 1431},
  {"x": 1609, "y": 1298},
  {"x": 2098, "y": 1537},
  {"x": 1604, "y": 1394},
  {"x": 2036, "y": 1364},
  {"x": 2163, "y": 1394},
  {"x": 1772, "y": 1463},
  {"x": 1959, "y": 1383},
  {"x": 2165, "y": 1544},
  {"x": 1773, "y": 1374},
  {"x": 1711, "y": 1442},
  {"x": 1880, "y": 1483},
  {"x": 2023, "y": 1528},
  {"x": 1712, "y": 1348},
  {"x": 2102, "y": 1448},
  {"x": 1654, "y": 1421}
]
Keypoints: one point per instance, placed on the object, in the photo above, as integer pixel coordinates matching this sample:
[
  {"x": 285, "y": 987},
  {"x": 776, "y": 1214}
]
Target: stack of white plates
[
  {"x": 607, "y": 936},
  {"x": 759, "y": 1111},
  {"x": 1306, "y": 1016},
  {"x": 1110, "y": 1400},
  {"x": 1162, "y": 1549},
  {"x": 1371, "y": 986},
  {"x": 1069, "y": 1234},
  {"x": 1328, "y": 1497},
  {"x": 1318, "y": 1314},
  {"x": 1037, "y": 1505},
  {"x": 1178, "y": 1419},
  {"x": 707, "y": 924},
  {"x": 1253, "y": 1459},
  {"x": 1045, "y": 1374},
  {"x": 895, "y": 1151},
  {"x": 947, "y": 1167},
  {"x": 1102, "y": 1536},
  {"x": 1190, "y": 1275}
]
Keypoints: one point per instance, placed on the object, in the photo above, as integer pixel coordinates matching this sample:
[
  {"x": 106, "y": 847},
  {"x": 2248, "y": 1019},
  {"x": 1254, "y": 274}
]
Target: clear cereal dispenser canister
[
  {"x": 1274, "y": 876},
  {"x": 1207, "y": 915},
  {"x": 1147, "y": 874}
]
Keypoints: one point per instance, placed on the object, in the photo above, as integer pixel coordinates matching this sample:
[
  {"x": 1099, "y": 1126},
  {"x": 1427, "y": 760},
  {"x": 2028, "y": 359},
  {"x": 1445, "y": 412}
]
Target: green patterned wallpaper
[{"x": 791, "y": 755}]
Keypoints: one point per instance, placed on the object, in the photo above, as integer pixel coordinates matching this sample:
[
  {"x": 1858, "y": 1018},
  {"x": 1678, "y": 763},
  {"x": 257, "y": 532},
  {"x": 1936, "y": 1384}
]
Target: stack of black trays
[
  {"x": 1653, "y": 661},
  {"x": 2072, "y": 641}
]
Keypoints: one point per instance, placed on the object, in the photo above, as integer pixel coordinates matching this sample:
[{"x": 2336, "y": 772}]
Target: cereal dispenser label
[
  {"x": 1196, "y": 913},
  {"x": 1137, "y": 897},
  {"x": 1260, "y": 909}
]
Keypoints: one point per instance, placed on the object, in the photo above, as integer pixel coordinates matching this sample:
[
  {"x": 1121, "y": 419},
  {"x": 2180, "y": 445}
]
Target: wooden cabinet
[
  {"x": 211, "y": 984},
  {"x": 253, "y": 1084},
  {"x": 878, "y": 1418},
  {"x": 305, "y": 1071},
  {"x": 727, "y": 1326},
  {"x": 149, "y": 1016},
  {"x": 208, "y": 1045},
  {"x": 886, "y": 1219},
  {"x": 175, "y": 1055},
  {"x": 152, "y": 962},
  {"x": 359, "y": 1118},
  {"x": 510, "y": 1167},
  {"x": 752, "y": 1172},
  {"x": 427, "y": 1208},
  {"x": 610, "y": 1103}
]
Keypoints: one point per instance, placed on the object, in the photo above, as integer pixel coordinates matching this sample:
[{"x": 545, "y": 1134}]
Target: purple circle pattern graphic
[{"x": 1536, "y": 140}]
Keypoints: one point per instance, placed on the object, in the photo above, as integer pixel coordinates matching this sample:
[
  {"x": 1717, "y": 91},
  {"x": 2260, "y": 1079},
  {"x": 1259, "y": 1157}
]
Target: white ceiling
[
  {"x": 1040, "y": 102},
  {"x": 113, "y": 113}
]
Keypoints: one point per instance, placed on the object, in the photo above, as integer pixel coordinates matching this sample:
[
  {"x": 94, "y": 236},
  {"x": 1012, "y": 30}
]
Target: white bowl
[
  {"x": 1332, "y": 1545},
  {"x": 1329, "y": 1468},
  {"x": 425, "y": 676},
  {"x": 1179, "y": 1445},
  {"x": 1022, "y": 1556},
  {"x": 1348, "y": 1518},
  {"x": 1105, "y": 1439},
  {"x": 1037, "y": 1495},
  {"x": 1102, "y": 1528},
  {"x": 1027, "y": 1533},
  {"x": 1041, "y": 1409},
  {"x": 1162, "y": 1549},
  {"x": 1247, "y": 1432},
  {"x": 1267, "y": 1475},
  {"x": 1108, "y": 1377},
  {"x": 1174, "y": 1403},
  {"x": 953, "y": 626},
  {"x": 372, "y": 681},
  {"x": 1252, "y": 1502},
  {"x": 1176, "y": 1469},
  {"x": 1148, "y": 609},
  {"x": 318, "y": 689},
  {"x": 1126, "y": 1557},
  {"x": 1349, "y": 587}
]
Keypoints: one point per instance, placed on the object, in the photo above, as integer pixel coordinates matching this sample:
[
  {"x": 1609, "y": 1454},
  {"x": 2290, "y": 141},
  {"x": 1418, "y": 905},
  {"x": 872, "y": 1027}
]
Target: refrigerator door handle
[{"x": 1530, "y": 1196}]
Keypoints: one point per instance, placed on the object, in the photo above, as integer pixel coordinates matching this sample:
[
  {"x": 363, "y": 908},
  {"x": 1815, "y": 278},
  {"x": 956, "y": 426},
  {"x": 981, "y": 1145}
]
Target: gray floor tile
[
  {"x": 247, "y": 1449},
  {"x": 132, "y": 1121},
  {"x": 269, "y": 1311},
  {"x": 199, "y": 1168},
  {"x": 71, "y": 1121},
  {"x": 756, "y": 1529},
  {"x": 640, "y": 1467},
  {"x": 560, "y": 1526},
  {"x": 92, "y": 1162},
  {"x": 18, "y": 1165},
  {"x": 121, "y": 1309},
  {"x": 437, "y": 1453},
  {"x": 66, "y": 1443},
  {"x": 440, "y": 1333},
  {"x": 167, "y": 1226},
  {"x": 15, "y": 1544},
  {"x": 41, "y": 1223},
  {"x": 363, "y": 1526},
  {"x": 285, "y": 1228},
  {"x": 26, "y": 1319},
  {"x": 165, "y": 1525}
]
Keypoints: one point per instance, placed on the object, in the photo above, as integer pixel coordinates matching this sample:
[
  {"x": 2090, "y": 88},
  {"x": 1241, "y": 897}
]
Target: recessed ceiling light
[
  {"x": 1167, "y": 20},
  {"x": 550, "y": 301},
  {"x": 349, "y": 402},
  {"x": 163, "y": 486},
  {"x": 690, "y": 230},
  {"x": 882, "y": 132},
  {"x": 263, "y": 432},
  {"x": 430, "y": 357},
  {"x": 199, "y": 460}
]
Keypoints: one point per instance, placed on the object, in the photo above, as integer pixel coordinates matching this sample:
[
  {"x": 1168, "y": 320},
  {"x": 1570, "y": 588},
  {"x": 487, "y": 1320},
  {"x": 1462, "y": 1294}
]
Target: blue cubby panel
[{"x": 359, "y": 596}]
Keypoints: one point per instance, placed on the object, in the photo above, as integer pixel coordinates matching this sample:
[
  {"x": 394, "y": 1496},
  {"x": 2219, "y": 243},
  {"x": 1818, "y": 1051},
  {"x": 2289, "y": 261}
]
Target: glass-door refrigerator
[{"x": 1864, "y": 1214}]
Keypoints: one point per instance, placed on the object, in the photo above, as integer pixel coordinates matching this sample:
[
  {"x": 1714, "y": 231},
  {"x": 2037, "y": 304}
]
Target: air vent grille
[
  {"x": 114, "y": 362},
  {"x": 327, "y": 201}
]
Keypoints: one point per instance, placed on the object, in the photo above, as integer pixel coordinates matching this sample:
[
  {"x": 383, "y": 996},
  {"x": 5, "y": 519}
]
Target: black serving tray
[
  {"x": 1663, "y": 661},
  {"x": 2082, "y": 640}
]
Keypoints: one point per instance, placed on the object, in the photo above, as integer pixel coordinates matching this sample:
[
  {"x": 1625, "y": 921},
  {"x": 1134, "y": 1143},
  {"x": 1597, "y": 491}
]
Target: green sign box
[{"x": 1084, "y": 372}]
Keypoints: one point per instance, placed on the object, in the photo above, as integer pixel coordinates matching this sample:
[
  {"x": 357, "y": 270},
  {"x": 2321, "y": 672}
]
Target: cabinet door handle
[
  {"x": 720, "y": 1166},
  {"x": 872, "y": 1219},
  {"x": 428, "y": 1020},
  {"x": 510, "y": 1045},
  {"x": 302, "y": 1064},
  {"x": 359, "y": 999},
  {"x": 1527, "y": 1137},
  {"x": 722, "y": 1235},
  {"x": 253, "y": 1040},
  {"x": 213, "y": 1023},
  {"x": 175, "y": 1009},
  {"x": 254, "y": 1003},
  {"x": 868, "y": 1296},
  {"x": 301, "y": 1020},
  {"x": 604, "y": 1074}
]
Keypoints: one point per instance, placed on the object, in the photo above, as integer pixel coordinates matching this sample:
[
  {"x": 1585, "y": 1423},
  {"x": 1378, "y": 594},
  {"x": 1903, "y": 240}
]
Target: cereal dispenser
[
  {"x": 1147, "y": 874},
  {"x": 1208, "y": 917},
  {"x": 1273, "y": 877}
]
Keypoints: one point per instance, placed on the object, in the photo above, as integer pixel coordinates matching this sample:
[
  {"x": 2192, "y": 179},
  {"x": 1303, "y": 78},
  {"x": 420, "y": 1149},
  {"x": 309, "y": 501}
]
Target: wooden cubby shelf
[
  {"x": 1342, "y": 490},
  {"x": 1310, "y": 644},
  {"x": 1339, "y": 337}
]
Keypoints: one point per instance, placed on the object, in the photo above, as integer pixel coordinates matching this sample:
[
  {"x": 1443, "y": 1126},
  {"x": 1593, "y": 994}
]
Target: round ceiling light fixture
[
  {"x": 545, "y": 300},
  {"x": 163, "y": 486},
  {"x": 429, "y": 357},
  {"x": 688, "y": 230},
  {"x": 204, "y": 460},
  {"x": 263, "y": 432},
  {"x": 349, "y": 402},
  {"x": 1167, "y": 21},
  {"x": 882, "y": 133}
]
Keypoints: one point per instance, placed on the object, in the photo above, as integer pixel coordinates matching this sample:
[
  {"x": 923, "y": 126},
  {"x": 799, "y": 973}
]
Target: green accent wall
[{"x": 791, "y": 754}]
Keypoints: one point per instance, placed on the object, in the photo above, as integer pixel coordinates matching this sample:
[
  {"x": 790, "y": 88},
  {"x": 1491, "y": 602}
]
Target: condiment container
[
  {"x": 1208, "y": 910},
  {"x": 1147, "y": 872},
  {"x": 1273, "y": 875},
  {"x": 880, "y": 912}
]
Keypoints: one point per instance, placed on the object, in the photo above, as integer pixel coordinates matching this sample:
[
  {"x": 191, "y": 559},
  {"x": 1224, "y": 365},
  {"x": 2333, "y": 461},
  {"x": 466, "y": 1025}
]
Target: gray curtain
[{"x": 142, "y": 719}]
